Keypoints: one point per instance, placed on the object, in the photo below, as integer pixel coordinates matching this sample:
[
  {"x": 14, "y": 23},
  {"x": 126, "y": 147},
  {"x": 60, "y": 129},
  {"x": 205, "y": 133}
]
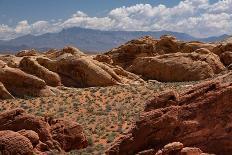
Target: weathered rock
[
  {"x": 11, "y": 60},
  {"x": 13, "y": 143},
  {"x": 18, "y": 83},
  {"x": 31, "y": 135},
  {"x": 226, "y": 58},
  {"x": 31, "y": 52},
  {"x": 148, "y": 47},
  {"x": 17, "y": 120},
  {"x": 65, "y": 52},
  {"x": 69, "y": 133},
  {"x": 43, "y": 134},
  {"x": 221, "y": 48},
  {"x": 167, "y": 44},
  {"x": 199, "y": 117},
  {"x": 190, "y": 47},
  {"x": 4, "y": 94},
  {"x": 198, "y": 65},
  {"x": 177, "y": 148},
  {"x": 31, "y": 66},
  {"x": 125, "y": 54},
  {"x": 82, "y": 72},
  {"x": 103, "y": 58}
]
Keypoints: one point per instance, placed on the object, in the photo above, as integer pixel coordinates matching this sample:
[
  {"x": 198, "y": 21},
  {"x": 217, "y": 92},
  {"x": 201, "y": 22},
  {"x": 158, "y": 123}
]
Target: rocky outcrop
[
  {"x": 175, "y": 148},
  {"x": 39, "y": 134},
  {"x": 148, "y": 47},
  {"x": 69, "y": 134},
  {"x": 125, "y": 54},
  {"x": 31, "y": 52},
  {"x": 198, "y": 65},
  {"x": 224, "y": 52},
  {"x": 226, "y": 58},
  {"x": 103, "y": 58},
  {"x": 199, "y": 117},
  {"x": 10, "y": 60},
  {"x": 14, "y": 143},
  {"x": 31, "y": 66},
  {"x": 82, "y": 72},
  {"x": 20, "y": 84},
  {"x": 4, "y": 94},
  {"x": 66, "y": 51}
]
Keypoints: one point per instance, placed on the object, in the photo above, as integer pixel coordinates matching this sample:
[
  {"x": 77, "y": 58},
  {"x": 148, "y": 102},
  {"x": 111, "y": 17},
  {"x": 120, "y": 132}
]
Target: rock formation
[
  {"x": 148, "y": 47},
  {"x": 125, "y": 54},
  {"x": 82, "y": 72},
  {"x": 175, "y": 148},
  {"x": 31, "y": 52},
  {"x": 26, "y": 134},
  {"x": 224, "y": 52},
  {"x": 32, "y": 74},
  {"x": 20, "y": 84},
  {"x": 31, "y": 66},
  {"x": 200, "y": 117},
  {"x": 14, "y": 143},
  {"x": 175, "y": 67},
  {"x": 226, "y": 58}
]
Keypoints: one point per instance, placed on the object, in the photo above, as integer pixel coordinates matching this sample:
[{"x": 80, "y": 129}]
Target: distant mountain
[{"x": 88, "y": 39}]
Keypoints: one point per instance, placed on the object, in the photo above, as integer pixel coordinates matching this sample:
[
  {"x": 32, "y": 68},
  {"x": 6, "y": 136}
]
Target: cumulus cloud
[{"x": 195, "y": 17}]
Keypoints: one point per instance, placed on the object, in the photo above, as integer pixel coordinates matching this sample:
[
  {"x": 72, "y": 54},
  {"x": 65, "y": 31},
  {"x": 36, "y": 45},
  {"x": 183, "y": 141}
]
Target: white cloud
[{"x": 196, "y": 17}]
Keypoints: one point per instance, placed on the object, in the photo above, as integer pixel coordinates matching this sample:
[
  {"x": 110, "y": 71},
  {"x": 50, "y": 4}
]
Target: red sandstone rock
[
  {"x": 40, "y": 135},
  {"x": 200, "y": 117},
  {"x": 13, "y": 143},
  {"x": 69, "y": 134}
]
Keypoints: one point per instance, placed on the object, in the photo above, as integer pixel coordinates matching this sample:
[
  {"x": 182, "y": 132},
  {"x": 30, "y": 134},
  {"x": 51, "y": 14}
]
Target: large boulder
[
  {"x": 125, "y": 54},
  {"x": 69, "y": 133},
  {"x": 31, "y": 66},
  {"x": 174, "y": 67},
  {"x": 13, "y": 143},
  {"x": 82, "y": 72},
  {"x": 43, "y": 134},
  {"x": 199, "y": 117},
  {"x": 226, "y": 58},
  {"x": 21, "y": 84}
]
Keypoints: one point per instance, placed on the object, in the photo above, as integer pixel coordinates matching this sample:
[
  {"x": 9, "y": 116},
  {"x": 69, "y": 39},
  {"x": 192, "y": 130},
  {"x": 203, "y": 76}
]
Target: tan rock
[
  {"x": 18, "y": 83},
  {"x": 226, "y": 58},
  {"x": 31, "y": 66},
  {"x": 198, "y": 65},
  {"x": 4, "y": 94},
  {"x": 31, "y": 52}
]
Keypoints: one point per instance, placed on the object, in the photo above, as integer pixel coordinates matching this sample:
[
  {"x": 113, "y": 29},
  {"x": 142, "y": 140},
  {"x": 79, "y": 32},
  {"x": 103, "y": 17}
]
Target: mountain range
[{"x": 88, "y": 40}]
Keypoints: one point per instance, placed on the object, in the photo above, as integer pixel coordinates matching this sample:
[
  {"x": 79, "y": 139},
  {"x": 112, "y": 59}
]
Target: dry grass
[{"x": 106, "y": 113}]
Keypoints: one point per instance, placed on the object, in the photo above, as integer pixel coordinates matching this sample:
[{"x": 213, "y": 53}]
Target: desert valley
[{"x": 149, "y": 96}]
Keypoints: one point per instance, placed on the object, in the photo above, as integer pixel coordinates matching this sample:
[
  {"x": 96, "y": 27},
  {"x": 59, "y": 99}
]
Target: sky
[{"x": 199, "y": 18}]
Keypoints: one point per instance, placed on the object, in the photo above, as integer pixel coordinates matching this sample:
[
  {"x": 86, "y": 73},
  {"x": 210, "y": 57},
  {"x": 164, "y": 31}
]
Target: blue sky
[
  {"x": 12, "y": 11},
  {"x": 207, "y": 17}
]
